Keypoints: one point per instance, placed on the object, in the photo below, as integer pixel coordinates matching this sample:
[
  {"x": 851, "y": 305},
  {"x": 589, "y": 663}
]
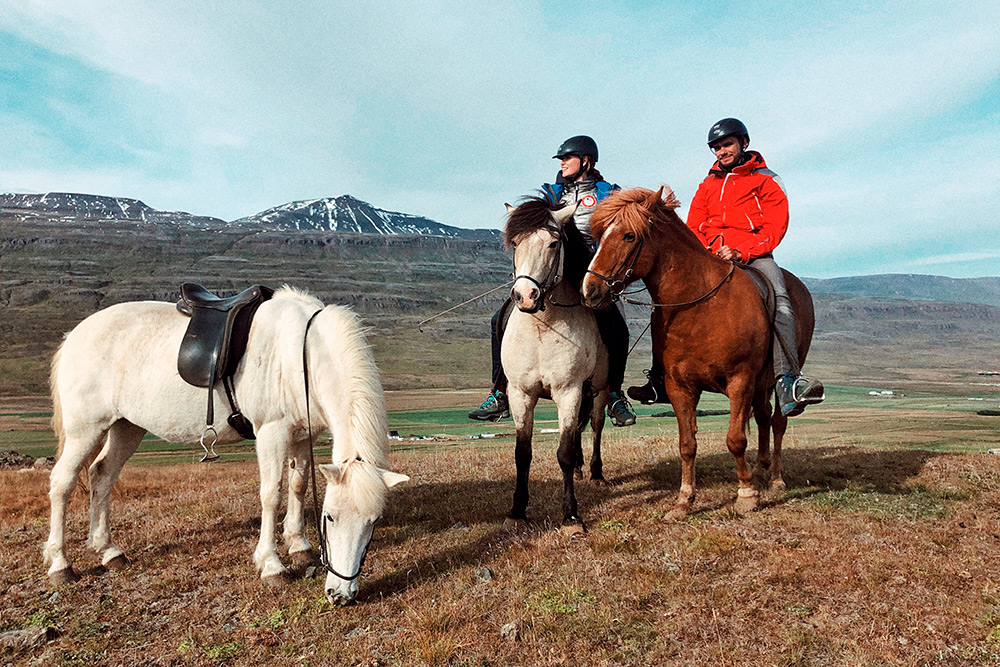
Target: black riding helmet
[
  {"x": 728, "y": 127},
  {"x": 579, "y": 145}
]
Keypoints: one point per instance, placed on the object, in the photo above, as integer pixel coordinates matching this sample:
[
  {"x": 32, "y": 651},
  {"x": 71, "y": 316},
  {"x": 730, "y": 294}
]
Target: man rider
[
  {"x": 742, "y": 207},
  {"x": 578, "y": 180}
]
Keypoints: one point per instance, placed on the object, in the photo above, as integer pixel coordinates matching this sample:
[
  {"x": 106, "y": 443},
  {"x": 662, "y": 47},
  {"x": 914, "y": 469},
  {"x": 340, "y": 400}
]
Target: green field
[{"x": 946, "y": 420}]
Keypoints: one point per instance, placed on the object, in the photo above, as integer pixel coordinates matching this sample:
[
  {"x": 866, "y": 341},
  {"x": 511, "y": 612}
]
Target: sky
[{"x": 880, "y": 117}]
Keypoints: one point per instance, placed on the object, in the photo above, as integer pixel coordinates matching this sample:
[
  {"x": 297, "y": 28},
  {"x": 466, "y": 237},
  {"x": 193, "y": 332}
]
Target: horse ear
[
  {"x": 565, "y": 213},
  {"x": 334, "y": 473},
  {"x": 510, "y": 209},
  {"x": 655, "y": 198},
  {"x": 391, "y": 479},
  {"x": 669, "y": 199}
]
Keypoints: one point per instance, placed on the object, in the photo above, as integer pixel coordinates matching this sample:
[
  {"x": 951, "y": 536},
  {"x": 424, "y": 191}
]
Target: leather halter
[
  {"x": 553, "y": 277},
  {"x": 321, "y": 527}
]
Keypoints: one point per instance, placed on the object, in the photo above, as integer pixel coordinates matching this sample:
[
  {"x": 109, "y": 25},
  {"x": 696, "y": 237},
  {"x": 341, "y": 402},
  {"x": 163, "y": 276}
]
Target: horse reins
[
  {"x": 321, "y": 526},
  {"x": 617, "y": 285}
]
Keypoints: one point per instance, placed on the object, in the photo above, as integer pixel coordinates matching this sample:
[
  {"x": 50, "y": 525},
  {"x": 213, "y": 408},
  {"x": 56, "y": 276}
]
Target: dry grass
[{"x": 876, "y": 555}]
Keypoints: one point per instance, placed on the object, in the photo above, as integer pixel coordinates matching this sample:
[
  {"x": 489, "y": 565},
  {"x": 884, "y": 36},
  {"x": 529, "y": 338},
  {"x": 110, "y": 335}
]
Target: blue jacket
[{"x": 588, "y": 193}]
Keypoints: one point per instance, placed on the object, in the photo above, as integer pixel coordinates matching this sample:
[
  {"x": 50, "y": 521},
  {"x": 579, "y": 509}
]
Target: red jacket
[{"x": 746, "y": 206}]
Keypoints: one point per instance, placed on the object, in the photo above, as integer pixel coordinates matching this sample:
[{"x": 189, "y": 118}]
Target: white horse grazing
[
  {"x": 551, "y": 347},
  {"x": 115, "y": 377}
]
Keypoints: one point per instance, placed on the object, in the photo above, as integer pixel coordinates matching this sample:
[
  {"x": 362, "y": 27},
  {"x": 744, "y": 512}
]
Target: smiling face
[
  {"x": 572, "y": 167},
  {"x": 728, "y": 151}
]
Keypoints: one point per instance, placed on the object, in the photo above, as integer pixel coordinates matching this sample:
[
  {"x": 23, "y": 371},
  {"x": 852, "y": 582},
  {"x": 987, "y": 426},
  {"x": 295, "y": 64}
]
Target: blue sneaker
[
  {"x": 619, "y": 410},
  {"x": 494, "y": 408},
  {"x": 795, "y": 393}
]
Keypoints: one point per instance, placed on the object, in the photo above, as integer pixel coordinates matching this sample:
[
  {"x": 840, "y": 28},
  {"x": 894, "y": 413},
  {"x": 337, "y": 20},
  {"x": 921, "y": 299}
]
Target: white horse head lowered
[{"x": 115, "y": 378}]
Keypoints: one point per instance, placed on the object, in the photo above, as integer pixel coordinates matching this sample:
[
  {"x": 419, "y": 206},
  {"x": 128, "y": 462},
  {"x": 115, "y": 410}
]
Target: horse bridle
[
  {"x": 617, "y": 285},
  {"x": 553, "y": 277},
  {"x": 321, "y": 527}
]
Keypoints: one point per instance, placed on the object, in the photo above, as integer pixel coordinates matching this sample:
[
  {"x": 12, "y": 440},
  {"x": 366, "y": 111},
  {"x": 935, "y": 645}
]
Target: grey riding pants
[{"x": 784, "y": 317}]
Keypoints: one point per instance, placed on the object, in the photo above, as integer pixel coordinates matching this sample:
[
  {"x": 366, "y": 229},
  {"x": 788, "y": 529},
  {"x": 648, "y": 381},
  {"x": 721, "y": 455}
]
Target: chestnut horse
[{"x": 709, "y": 325}]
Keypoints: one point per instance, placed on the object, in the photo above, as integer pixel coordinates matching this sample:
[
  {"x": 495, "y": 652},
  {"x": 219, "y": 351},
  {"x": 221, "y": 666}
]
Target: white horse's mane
[
  {"x": 343, "y": 329},
  {"x": 343, "y": 335}
]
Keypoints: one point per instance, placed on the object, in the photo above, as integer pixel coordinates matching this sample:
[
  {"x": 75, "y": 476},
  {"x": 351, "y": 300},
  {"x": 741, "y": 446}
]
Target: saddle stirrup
[{"x": 210, "y": 454}]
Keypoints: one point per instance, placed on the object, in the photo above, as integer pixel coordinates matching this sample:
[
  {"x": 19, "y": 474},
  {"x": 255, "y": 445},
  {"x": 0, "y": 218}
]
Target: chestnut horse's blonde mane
[{"x": 636, "y": 209}]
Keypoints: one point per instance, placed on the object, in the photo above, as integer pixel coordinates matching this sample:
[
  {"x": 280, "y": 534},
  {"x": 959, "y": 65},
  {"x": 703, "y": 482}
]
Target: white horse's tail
[{"x": 57, "y": 424}]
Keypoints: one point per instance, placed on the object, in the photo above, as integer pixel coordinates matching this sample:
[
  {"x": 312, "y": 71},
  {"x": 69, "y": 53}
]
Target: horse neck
[
  {"x": 346, "y": 389},
  {"x": 683, "y": 269},
  {"x": 563, "y": 292}
]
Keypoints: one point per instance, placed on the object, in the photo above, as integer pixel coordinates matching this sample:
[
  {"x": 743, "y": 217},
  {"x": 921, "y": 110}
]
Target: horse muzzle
[
  {"x": 527, "y": 297},
  {"x": 341, "y": 593},
  {"x": 595, "y": 292}
]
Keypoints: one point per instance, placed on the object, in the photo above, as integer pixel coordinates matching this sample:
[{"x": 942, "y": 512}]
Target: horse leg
[
  {"x": 687, "y": 428},
  {"x": 123, "y": 439},
  {"x": 76, "y": 450},
  {"x": 779, "y": 423},
  {"x": 522, "y": 411},
  {"x": 568, "y": 401},
  {"x": 299, "y": 548},
  {"x": 762, "y": 416},
  {"x": 272, "y": 449},
  {"x": 586, "y": 410},
  {"x": 597, "y": 417},
  {"x": 740, "y": 402}
]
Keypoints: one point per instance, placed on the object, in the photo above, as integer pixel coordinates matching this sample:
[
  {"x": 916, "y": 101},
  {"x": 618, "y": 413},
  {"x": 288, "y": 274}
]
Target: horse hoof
[
  {"x": 304, "y": 558},
  {"x": 746, "y": 504},
  {"x": 515, "y": 525},
  {"x": 573, "y": 530},
  {"x": 63, "y": 577},
  {"x": 778, "y": 485},
  {"x": 118, "y": 563},
  {"x": 600, "y": 481},
  {"x": 279, "y": 580}
]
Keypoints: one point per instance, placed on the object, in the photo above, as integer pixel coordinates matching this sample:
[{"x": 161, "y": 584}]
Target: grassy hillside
[{"x": 57, "y": 271}]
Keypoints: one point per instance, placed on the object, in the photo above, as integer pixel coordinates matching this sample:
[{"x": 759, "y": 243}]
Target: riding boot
[{"x": 651, "y": 392}]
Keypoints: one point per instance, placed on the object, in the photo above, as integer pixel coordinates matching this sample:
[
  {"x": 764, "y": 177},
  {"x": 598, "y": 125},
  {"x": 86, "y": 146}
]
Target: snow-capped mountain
[
  {"x": 99, "y": 207},
  {"x": 332, "y": 214},
  {"x": 347, "y": 214}
]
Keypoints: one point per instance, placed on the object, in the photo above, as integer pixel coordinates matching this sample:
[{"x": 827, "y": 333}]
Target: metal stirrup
[{"x": 210, "y": 454}]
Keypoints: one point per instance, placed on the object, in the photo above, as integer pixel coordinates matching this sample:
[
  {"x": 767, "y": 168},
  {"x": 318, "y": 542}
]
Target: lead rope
[{"x": 445, "y": 312}]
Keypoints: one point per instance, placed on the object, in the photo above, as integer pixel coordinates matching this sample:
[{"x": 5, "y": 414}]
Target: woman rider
[
  {"x": 742, "y": 207},
  {"x": 577, "y": 181}
]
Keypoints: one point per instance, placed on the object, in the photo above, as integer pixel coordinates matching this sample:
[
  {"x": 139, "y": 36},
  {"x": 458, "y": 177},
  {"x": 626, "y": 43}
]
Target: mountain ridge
[{"x": 345, "y": 213}]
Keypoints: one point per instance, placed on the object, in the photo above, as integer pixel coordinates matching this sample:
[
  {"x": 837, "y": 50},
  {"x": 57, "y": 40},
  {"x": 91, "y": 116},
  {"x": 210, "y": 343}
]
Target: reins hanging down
[{"x": 321, "y": 526}]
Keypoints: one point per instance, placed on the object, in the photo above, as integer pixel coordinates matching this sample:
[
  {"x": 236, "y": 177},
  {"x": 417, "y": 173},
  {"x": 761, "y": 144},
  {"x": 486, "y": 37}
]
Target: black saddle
[{"x": 216, "y": 340}]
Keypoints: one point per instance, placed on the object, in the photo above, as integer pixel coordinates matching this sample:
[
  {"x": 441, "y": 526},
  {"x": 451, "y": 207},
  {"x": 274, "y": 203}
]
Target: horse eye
[
  {"x": 629, "y": 236},
  {"x": 553, "y": 244}
]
